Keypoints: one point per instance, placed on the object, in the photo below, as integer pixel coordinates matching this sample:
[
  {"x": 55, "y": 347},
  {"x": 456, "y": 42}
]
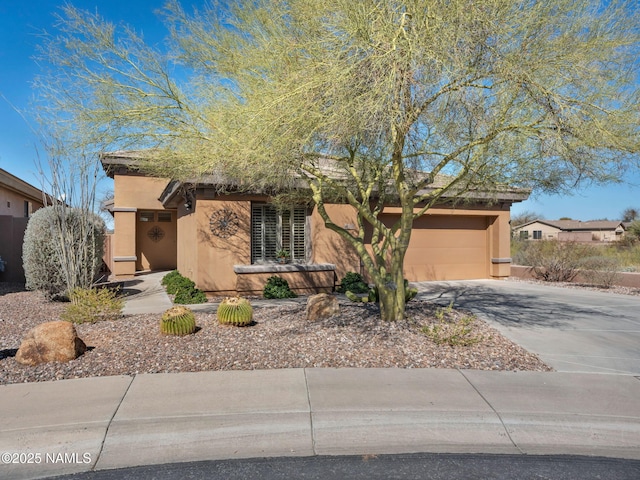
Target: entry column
[
  {"x": 500, "y": 246},
  {"x": 124, "y": 241}
]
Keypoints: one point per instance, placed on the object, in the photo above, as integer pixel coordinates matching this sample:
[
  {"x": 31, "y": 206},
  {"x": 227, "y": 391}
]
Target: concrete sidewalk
[
  {"x": 101, "y": 423},
  {"x": 68, "y": 426}
]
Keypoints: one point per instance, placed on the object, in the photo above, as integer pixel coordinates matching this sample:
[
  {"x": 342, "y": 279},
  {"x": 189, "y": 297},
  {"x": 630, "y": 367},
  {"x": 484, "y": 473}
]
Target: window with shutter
[
  {"x": 273, "y": 230},
  {"x": 298, "y": 235}
]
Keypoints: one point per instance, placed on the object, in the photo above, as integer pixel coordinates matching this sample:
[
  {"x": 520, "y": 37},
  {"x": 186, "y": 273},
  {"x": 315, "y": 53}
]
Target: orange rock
[
  {"x": 322, "y": 306},
  {"x": 50, "y": 342}
]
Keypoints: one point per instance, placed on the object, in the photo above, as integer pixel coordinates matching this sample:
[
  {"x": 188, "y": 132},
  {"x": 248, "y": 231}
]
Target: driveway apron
[{"x": 572, "y": 330}]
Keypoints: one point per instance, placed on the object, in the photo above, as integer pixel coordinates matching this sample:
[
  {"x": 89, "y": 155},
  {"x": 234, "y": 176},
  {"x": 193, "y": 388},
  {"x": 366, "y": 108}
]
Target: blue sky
[
  {"x": 21, "y": 21},
  {"x": 20, "y": 24}
]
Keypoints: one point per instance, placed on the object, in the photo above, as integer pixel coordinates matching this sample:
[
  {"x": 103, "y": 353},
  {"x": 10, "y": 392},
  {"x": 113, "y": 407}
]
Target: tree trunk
[{"x": 392, "y": 295}]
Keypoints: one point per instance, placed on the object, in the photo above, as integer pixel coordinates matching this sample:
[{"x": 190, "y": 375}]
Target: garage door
[{"x": 448, "y": 248}]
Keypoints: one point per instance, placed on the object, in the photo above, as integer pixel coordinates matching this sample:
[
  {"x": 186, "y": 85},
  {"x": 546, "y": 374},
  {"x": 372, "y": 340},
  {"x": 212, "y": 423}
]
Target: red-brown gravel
[{"x": 280, "y": 338}]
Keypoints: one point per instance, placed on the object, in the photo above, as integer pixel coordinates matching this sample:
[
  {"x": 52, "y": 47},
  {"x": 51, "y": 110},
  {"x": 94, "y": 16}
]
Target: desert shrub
[
  {"x": 633, "y": 232},
  {"x": 277, "y": 287},
  {"x": 89, "y": 305},
  {"x": 450, "y": 329},
  {"x": 170, "y": 277},
  {"x": 518, "y": 249},
  {"x": 600, "y": 270},
  {"x": 183, "y": 288},
  {"x": 190, "y": 295},
  {"x": 554, "y": 261},
  {"x": 626, "y": 253},
  {"x": 62, "y": 250},
  {"x": 353, "y": 282},
  {"x": 179, "y": 283}
]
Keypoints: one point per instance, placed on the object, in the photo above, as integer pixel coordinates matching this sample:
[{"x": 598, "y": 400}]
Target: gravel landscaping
[{"x": 280, "y": 337}]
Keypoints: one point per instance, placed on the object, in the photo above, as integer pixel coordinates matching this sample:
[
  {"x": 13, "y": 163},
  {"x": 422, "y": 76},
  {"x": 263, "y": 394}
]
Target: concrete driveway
[{"x": 572, "y": 330}]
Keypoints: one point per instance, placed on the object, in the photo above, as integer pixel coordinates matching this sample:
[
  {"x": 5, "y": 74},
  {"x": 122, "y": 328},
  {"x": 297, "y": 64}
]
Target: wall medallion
[
  {"x": 224, "y": 223},
  {"x": 156, "y": 234}
]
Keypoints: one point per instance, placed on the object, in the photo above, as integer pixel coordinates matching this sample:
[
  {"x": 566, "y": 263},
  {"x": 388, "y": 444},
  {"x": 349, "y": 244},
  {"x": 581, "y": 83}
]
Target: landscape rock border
[{"x": 281, "y": 337}]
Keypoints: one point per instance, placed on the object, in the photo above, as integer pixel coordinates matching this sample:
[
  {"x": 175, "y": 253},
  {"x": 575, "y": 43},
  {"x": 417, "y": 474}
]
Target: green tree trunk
[
  {"x": 392, "y": 296},
  {"x": 389, "y": 277}
]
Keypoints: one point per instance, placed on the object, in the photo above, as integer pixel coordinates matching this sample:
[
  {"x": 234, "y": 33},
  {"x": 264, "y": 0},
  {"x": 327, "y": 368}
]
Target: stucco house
[
  {"x": 18, "y": 200},
  {"x": 227, "y": 242},
  {"x": 571, "y": 230}
]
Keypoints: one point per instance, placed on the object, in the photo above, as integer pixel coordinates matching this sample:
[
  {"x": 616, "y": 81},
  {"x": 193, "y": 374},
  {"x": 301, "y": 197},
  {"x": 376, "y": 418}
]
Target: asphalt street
[{"x": 384, "y": 467}]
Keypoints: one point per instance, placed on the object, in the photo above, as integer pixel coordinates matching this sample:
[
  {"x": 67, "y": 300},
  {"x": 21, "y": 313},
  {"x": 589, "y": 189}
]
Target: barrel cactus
[
  {"x": 235, "y": 311},
  {"x": 178, "y": 320}
]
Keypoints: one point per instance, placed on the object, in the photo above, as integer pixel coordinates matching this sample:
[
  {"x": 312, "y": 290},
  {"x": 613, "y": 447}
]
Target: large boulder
[
  {"x": 50, "y": 342},
  {"x": 322, "y": 306}
]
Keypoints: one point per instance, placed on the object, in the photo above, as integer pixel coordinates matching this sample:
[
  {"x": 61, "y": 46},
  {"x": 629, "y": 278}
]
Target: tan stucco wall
[
  {"x": 548, "y": 232},
  {"x": 500, "y": 244},
  {"x": 124, "y": 243},
  {"x": 552, "y": 233},
  {"x": 209, "y": 260},
  {"x": 216, "y": 255},
  {"x": 187, "y": 253},
  {"x": 299, "y": 282},
  {"x": 132, "y": 249},
  {"x": 606, "y": 236},
  {"x": 13, "y": 224},
  {"x": 138, "y": 191},
  {"x": 12, "y": 203},
  {"x": 447, "y": 243},
  {"x": 329, "y": 247}
]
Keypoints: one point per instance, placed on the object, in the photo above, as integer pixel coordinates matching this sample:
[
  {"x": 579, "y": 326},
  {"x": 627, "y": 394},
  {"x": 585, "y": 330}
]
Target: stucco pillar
[
  {"x": 124, "y": 241},
  {"x": 500, "y": 246}
]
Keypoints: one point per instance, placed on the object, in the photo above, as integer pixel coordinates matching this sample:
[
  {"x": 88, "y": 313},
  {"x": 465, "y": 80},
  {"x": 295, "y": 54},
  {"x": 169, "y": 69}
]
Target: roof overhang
[
  {"x": 19, "y": 186},
  {"x": 122, "y": 162},
  {"x": 129, "y": 163}
]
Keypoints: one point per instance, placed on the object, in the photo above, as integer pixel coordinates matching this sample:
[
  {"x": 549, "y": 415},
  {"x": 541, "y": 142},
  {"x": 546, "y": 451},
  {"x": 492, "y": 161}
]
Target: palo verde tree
[{"x": 371, "y": 102}]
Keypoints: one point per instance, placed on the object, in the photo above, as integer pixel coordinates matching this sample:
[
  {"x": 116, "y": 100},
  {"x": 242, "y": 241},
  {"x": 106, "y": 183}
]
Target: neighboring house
[
  {"x": 227, "y": 243},
  {"x": 18, "y": 200},
  {"x": 571, "y": 230}
]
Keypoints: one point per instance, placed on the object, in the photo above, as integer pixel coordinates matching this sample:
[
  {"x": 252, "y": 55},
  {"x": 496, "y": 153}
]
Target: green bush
[
  {"x": 52, "y": 270},
  {"x": 354, "y": 283},
  {"x": 170, "y": 277},
  {"x": 89, "y": 305},
  {"x": 178, "y": 283},
  {"x": 183, "y": 288},
  {"x": 277, "y": 287},
  {"x": 190, "y": 295}
]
